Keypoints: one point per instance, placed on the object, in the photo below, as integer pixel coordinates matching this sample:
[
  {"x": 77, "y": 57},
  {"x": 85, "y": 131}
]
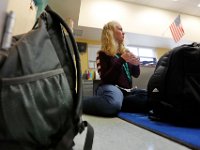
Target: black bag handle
[
  {"x": 82, "y": 124},
  {"x": 77, "y": 59}
]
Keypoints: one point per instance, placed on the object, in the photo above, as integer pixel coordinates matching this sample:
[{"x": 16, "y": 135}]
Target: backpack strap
[
  {"x": 78, "y": 111},
  {"x": 89, "y": 135},
  {"x": 66, "y": 143},
  {"x": 77, "y": 60}
]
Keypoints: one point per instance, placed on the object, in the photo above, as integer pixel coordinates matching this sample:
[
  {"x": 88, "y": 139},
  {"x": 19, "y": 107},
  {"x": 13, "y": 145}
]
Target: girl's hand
[
  {"x": 131, "y": 58},
  {"x": 134, "y": 61},
  {"x": 126, "y": 55}
]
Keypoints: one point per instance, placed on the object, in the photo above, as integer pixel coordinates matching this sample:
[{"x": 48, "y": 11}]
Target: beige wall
[
  {"x": 136, "y": 18},
  {"x": 3, "y": 10},
  {"x": 84, "y": 56},
  {"x": 25, "y": 17},
  {"x": 160, "y": 52}
]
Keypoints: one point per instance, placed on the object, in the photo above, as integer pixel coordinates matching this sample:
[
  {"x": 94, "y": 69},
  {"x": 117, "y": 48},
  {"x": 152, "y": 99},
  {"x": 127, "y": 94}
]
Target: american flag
[{"x": 177, "y": 29}]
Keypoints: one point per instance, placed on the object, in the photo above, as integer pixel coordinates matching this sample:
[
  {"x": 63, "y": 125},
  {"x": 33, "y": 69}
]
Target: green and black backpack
[{"x": 41, "y": 89}]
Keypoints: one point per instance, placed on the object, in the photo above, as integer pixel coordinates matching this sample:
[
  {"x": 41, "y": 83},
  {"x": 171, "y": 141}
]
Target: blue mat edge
[{"x": 122, "y": 115}]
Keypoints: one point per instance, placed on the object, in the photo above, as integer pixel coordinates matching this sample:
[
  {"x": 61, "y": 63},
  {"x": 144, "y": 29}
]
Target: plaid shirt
[{"x": 111, "y": 70}]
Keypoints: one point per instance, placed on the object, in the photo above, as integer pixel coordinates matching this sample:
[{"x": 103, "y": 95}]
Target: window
[
  {"x": 92, "y": 53},
  {"x": 134, "y": 50},
  {"x": 147, "y": 55}
]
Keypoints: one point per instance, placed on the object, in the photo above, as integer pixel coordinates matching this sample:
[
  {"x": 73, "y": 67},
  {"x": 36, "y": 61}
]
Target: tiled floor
[{"x": 116, "y": 134}]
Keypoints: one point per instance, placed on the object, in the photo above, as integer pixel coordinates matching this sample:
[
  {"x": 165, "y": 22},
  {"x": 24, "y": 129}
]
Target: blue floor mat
[{"x": 189, "y": 137}]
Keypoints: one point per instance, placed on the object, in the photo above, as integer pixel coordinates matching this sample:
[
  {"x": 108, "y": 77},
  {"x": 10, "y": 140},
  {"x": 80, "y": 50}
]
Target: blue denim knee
[{"x": 113, "y": 96}]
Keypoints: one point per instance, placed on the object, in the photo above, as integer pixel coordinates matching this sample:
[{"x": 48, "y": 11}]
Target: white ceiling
[
  {"x": 182, "y": 6},
  {"x": 71, "y": 8}
]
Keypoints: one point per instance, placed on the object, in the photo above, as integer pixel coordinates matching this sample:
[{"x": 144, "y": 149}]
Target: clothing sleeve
[
  {"x": 134, "y": 70},
  {"x": 109, "y": 68}
]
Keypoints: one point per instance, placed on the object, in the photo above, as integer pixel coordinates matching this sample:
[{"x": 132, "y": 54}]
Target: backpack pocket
[
  {"x": 192, "y": 86},
  {"x": 192, "y": 90},
  {"x": 36, "y": 107}
]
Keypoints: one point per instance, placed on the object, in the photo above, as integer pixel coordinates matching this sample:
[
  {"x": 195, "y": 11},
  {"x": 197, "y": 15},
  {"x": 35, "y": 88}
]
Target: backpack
[
  {"x": 41, "y": 89},
  {"x": 174, "y": 87}
]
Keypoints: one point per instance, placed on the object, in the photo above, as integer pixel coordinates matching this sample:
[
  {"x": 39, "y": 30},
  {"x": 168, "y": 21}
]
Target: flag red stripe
[{"x": 177, "y": 30}]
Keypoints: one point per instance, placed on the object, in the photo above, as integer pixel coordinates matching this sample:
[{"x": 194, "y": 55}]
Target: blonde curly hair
[{"x": 108, "y": 43}]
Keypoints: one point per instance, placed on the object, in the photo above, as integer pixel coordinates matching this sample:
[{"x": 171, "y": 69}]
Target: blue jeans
[{"x": 107, "y": 102}]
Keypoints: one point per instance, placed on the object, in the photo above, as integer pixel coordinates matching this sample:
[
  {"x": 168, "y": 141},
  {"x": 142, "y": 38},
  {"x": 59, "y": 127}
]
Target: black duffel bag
[{"x": 174, "y": 87}]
